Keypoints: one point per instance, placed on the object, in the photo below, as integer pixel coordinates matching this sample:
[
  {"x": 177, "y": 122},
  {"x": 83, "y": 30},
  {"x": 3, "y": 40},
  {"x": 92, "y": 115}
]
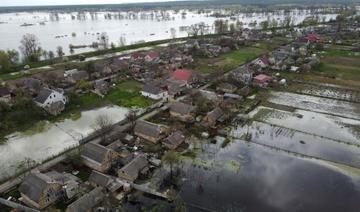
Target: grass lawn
[
  {"x": 127, "y": 94},
  {"x": 229, "y": 61},
  {"x": 340, "y": 65}
]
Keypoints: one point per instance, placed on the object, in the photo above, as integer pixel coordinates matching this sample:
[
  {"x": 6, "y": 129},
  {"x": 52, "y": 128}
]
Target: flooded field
[
  {"x": 317, "y": 104},
  {"x": 53, "y": 140},
  {"x": 329, "y": 91},
  {"x": 63, "y": 29},
  {"x": 301, "y": 143},
  {"x": 267, "y": 180},
  {"x": 328, "y": 126}
]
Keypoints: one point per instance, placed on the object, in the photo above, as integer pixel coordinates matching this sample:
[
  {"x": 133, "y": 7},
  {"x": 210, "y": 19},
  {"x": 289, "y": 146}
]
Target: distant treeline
[{"x": 177, "y": 4}]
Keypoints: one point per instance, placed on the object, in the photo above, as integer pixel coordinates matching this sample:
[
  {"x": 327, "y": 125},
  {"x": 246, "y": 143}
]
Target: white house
[
  {"x": 51, "y": 100},
  {"x": 154, "y": 92}
]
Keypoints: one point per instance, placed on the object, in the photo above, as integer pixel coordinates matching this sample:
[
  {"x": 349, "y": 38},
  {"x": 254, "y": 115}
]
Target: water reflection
[
  {"x": 55, "y": 139},
  {"x": 269, "y": 181}
]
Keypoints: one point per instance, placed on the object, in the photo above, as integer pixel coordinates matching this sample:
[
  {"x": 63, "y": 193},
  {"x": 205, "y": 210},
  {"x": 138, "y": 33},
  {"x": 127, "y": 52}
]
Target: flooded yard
[
  {"x": 300, "y": 143},
  {"x": 53, "y": 140},
  {"x": 329, "y": 126},
  {"x": 267, "y": 180},
  {"x": 317, "y": 104}
]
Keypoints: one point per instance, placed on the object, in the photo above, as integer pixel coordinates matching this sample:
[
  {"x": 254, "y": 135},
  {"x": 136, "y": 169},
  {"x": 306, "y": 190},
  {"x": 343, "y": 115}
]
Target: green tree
[
  {"x": 171, "y": 158},
  {"x": 13, "y": 55},
  {"x": 5, "y": 62}
]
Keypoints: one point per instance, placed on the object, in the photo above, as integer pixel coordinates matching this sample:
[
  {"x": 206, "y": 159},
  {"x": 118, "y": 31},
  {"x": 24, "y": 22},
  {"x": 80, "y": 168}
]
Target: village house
[
  {"x": 74, "y": 75},
  {"x": 87, "y": 202},
  {"x": 182, "y": 111},
  {"x": 262, "y": 80},
  {"x": 150, "y": 131},
  {"x": 185, "y": 76},
  {"x": 226, "y": 88},
  {"x": 41, "y": 190},
  {"x": 311, "y": 38},
  {"x": 98, "y": 157},
  {"x": 53, "y": 101},
  {"x": 131, "y": 171},
  {"x": 118, "y": 147},
  {"x": 102, "y": 68},
  {"x": 32, "y": 85},
  {"x": 213, "y": 117},
  {"x": 110, "y": 183},
  {"x": 152, "y": 57},
  {"x": 174, "y": 140},
  {"x": 5, "y": 95},
  {"x": 101, "y": 87},
  {"x": 120, "y": 64},
  {"x": 243, "y": 75},
  {"x": 263, "y": 62},
  {"x": 154, "y": 92}
]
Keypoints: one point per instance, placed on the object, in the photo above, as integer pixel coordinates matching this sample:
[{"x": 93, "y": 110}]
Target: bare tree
[
  {"x": 30, "y": 47},
  {"x": 60, "y": 51},
  {"x": 102, "y": 122},
  {"x": 102, "y": 125}
]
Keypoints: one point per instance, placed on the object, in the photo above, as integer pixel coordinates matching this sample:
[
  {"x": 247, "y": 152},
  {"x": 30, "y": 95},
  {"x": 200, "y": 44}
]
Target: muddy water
[
  {"x": 55, "y": 139},
  {"x": 329, "y": 126},
  {"x": 317, "y": 104},
  {"x": 267, "y": 180}
]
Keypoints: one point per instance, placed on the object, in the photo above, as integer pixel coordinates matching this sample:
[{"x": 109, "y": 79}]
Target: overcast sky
[{"x": 68, "y": 2}]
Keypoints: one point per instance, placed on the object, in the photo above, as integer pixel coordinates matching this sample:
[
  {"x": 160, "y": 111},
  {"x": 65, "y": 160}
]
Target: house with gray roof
[
  {"x": 153, "y": 92},
  {"x": 131, "y": 171},
  {"x": 110, "y": 183},
  {"x": 32, "y": 85},
  {"x": 41, "y": 190},
  {"x": 98, "y": 157},
  {"x": 214, "y": 116},
  {"x": 87, "y": 202},
  {"x": 174, "y": 140},
  {"x": 182, "y": 111},
  {"x": 150, "y": 131},
  {"x": 53, "y": 101},
  {"x": 74, "y": 76}
]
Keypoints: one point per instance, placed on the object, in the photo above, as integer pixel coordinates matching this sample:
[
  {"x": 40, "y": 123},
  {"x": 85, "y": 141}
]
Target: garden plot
[
  {"x": 299, "y": 142},
  {"x": 317, "y": 104},
  {"x": 329, "y": 126}
]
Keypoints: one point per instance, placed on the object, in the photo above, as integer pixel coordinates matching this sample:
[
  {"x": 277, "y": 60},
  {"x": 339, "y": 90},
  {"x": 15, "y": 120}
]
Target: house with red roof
[
  {"x": 263, "y": 62},
  {"x": 183, "y": 75},
  {"x": 136, "y": 56},
  {"x": 152, "y": 56},
  {"x": 262, "y": 80},
  {"x": 312, "y": 38}
]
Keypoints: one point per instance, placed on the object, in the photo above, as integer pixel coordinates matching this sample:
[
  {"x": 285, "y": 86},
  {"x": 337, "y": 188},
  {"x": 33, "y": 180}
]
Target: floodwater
[
  {"x": 134, "y": 27},
  {"x": 267, "y": 180},
  {"x": 55, "y": 139},
  {"x": 301, "y": 143},
  {"x": 329, "y": 126},
  {"x": 317, "y": 104}
]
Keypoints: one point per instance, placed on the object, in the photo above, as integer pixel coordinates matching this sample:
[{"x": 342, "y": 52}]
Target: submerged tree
[
  {"x": 104, "y": 40},
  {"x": 60, "y": 51}
]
